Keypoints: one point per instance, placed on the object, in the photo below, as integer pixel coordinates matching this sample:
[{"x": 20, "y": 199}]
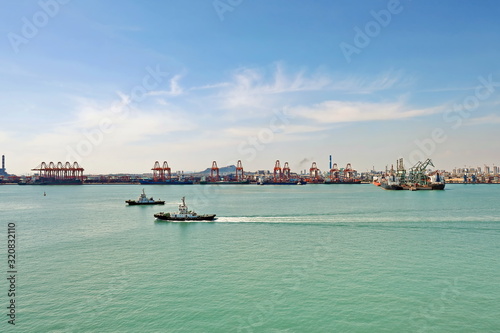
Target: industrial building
[{"x": 3, "y": 172}]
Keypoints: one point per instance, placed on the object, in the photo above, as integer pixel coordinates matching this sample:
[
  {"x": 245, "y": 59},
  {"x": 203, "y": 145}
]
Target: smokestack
[
  {"x": 330, "y": 162},
  {"x": 3, "y": 162}
]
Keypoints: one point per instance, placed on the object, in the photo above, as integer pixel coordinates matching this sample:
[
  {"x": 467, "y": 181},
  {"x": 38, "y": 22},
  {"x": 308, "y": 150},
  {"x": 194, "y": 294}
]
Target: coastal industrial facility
[{"x": 71, "y": 173}]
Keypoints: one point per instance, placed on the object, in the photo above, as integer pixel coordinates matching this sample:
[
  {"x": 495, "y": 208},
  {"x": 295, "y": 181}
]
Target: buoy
[{"x": 44, "y": 194}]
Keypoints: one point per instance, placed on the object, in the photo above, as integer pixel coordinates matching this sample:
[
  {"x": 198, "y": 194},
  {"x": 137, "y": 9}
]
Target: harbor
[{"x": 72, "y": 173}]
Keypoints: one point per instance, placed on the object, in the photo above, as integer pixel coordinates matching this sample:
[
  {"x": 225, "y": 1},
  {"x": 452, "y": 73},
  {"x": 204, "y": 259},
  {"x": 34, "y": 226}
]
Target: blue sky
[{"x": 117, "y": 85}]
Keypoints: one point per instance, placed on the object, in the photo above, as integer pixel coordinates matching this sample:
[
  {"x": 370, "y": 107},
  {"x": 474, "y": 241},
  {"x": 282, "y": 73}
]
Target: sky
[{"x": 117, "y": 85}]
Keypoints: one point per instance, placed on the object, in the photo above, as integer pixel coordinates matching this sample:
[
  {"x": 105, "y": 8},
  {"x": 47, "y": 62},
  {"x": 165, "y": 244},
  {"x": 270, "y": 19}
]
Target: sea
[{"x": 311, "y": 258}]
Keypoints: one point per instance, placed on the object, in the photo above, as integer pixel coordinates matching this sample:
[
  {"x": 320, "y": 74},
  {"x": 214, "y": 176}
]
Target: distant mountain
[{"x": 222, "y": 171}]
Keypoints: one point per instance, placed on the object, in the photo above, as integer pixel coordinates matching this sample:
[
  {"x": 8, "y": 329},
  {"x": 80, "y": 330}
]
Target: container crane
[
  {"x": 278, "y": 173},
  {"x": 240, "y": 175},
  {"x": 214, "y": 172}
]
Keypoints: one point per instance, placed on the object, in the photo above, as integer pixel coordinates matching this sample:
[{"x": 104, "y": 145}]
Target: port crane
[
  {"x": 286, "y": 172},
  {"x": 314, "y": 174},
  {"x": 161, "y": 173},
  {"x": 349, "y": 173},
  {"x": 214, "y": 172},
  {"x": 334, "y": 173},
  {"x": 240, "y": 175},
  {"x": 59, "y": 171},
  {"x": 278, "y": 173}
]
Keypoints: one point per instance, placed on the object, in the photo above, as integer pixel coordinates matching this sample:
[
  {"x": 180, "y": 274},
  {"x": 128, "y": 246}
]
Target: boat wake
[{"x": 344, "y": 219}]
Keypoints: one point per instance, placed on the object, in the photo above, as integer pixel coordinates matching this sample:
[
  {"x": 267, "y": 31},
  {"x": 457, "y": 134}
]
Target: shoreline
[{"x": 137, "y": 183}]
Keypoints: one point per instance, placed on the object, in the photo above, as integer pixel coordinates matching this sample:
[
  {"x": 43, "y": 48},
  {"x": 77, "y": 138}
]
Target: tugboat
[
  {"x": 143, "y": 200},
  {"x": 184, "y": 214}
]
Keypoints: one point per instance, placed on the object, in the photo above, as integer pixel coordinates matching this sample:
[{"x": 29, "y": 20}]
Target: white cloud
[
  {"x": 252, "y": 88},
  {"x": 175, "y": 88},
  {"x": 207, "y": 122},
  {"x": 489, "y": 120},
  {"x": 254, "y": 91},
  {"x": 346, "y": 111},
  {"x": 211, "y": 86},
  {"x": 368, "y": 85}
]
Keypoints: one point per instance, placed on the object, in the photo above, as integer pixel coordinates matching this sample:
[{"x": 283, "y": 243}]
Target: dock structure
[
  {"x": 72, "y": 173},
  {"x": 59, "y": 171}
]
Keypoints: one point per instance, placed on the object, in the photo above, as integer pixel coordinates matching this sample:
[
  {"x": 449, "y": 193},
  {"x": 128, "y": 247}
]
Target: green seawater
[{"x": 313, "y": 258}]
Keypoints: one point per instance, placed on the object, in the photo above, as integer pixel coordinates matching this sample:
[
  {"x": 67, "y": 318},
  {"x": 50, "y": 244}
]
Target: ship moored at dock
[{"x": 415, "y": 179}]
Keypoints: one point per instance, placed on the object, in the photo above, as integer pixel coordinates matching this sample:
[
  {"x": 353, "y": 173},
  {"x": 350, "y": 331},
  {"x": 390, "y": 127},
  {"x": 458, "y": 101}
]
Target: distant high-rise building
[
  {"x": 495, "y": 169},
  {"x": 486, "y": 169}
]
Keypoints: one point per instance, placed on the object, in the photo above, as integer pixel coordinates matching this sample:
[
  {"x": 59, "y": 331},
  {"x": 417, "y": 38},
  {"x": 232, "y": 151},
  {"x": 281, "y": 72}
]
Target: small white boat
[{"x": 144, "y": 200}]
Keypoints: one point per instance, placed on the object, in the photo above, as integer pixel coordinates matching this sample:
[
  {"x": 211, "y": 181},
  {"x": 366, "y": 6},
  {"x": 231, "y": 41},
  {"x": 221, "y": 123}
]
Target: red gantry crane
[
  {"x": 163, "y": 173},
  {"x": 286, "y": 172},
  {"x": 240, "y": 175},
  {"x": 315, "y": 174},
  {"x": 348, "y": 173},
  {"x": 59, "y": 171},
  {"x": 214, "y": 172},
  {"x": 334, "y": 173},
  {"x": 278, "y": 173}
]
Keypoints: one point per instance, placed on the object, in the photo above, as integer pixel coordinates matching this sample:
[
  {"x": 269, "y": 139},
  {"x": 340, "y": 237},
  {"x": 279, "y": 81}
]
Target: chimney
[{"x": 3, "y": 162}]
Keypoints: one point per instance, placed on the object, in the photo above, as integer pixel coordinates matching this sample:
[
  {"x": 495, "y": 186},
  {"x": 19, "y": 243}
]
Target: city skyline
[{"x": 117, "y": 86}]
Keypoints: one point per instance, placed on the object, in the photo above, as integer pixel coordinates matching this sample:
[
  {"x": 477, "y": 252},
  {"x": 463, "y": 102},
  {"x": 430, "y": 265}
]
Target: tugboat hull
[
  {"x": 425, "y": 187},
  {"x": 168, "y": 217},
  {"x": 135, "y": 203},
  {"x": 184, "y": 215},
  {"x": 391, "y": 187},
  {"x": 438, "y": 186},
  {"x": 167, "y": 182}
]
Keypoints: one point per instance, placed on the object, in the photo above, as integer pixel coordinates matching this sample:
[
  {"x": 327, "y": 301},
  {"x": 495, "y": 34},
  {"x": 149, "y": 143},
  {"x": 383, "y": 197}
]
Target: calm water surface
[{"x": 314, "y": 258}]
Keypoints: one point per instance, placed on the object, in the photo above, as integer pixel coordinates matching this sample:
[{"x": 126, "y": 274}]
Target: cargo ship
[
  {"x": 415, "y": 179},
  {"x": 52, "y": 181},
  {"x": 284, "y": 182}
]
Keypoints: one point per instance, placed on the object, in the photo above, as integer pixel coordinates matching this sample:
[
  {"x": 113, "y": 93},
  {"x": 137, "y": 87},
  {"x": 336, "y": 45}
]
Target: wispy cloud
[
  {"x": 346, "y": 111},
  {"x": 251, "y": 87},
  {"x": 256, "y": 88},
  {"x": 240, "y": 107},
  {"x": 368, "y": 85},
  {"x": 489, "y": 120},
  {"x": 211, "y": 86},
  {"x": 174, "y": 88}
]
